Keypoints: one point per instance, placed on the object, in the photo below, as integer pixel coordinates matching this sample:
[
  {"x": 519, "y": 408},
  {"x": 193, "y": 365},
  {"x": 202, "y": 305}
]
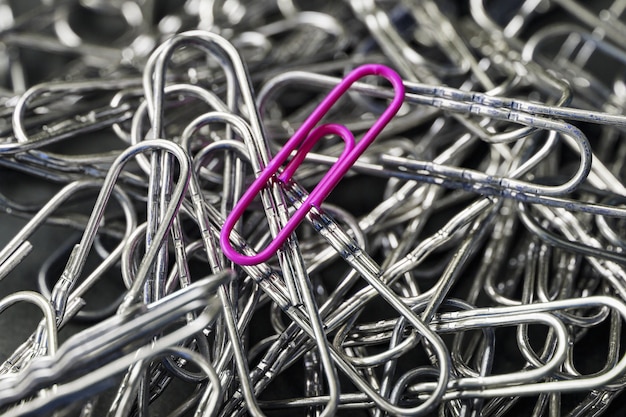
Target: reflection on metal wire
[{"x": 463, "y": 257}]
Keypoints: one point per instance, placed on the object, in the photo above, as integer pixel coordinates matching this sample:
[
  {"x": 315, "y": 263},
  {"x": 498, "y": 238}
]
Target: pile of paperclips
[{"x": 463, "y": 256}]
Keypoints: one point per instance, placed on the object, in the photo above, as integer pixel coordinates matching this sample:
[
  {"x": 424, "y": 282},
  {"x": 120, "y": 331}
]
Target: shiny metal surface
[{"x": 470, "y": 262}]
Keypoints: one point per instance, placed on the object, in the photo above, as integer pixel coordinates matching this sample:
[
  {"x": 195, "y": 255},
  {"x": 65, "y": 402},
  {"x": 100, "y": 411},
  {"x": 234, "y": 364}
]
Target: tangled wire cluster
[{"x": 383, "y": 208}]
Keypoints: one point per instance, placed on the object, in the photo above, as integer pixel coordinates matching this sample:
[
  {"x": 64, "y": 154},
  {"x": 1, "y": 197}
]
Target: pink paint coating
[{"x": 302, "y": 142}]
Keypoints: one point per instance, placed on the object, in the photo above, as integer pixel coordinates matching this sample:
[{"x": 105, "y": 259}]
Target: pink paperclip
[{"x": 302, "y": 142}]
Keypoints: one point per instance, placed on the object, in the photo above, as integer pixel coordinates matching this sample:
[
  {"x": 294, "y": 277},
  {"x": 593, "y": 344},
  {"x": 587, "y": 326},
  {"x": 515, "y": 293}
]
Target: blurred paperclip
[{"x": 107, "y": 342}]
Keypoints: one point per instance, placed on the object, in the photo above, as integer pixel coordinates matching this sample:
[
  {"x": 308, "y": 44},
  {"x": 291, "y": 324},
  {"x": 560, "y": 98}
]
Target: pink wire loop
[{"x": 302, "y": 142}]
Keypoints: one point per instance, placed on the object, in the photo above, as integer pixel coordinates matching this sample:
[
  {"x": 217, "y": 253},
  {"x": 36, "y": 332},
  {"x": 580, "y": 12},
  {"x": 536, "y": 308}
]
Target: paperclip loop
[{"x": 301, "y": 142}]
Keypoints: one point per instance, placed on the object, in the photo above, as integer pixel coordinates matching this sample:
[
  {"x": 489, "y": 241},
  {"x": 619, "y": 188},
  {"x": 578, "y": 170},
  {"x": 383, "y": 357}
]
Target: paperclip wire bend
[{"x": 301, "y": 142}]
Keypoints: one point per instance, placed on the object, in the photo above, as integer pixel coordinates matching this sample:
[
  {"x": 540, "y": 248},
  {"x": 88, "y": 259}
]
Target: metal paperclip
[
  {"x": 523, "y": 112},
  {"x": 18, "y": 246},
  {"x": 398, "y": 307},
  {"x": 366, "y": 266},
  {"x": 199, "y": 208},
  {"x": 461, "y": 390},
  {"x": 78, "y": 256},
  {"x": 75, "y": 301},
  {"x": 578, "y": 49},
  {"x": 361, "y": 383},
  {"x": 292, "y": 262},
  {"x": 46, "y": 343},
  {"x": 241, "y": 127},
  {"x": 27, "y": 146},
  {"x": 572, "y": 229},
  {"x": 209, "y": 240},
  {"x": 107, "y": 341}
]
